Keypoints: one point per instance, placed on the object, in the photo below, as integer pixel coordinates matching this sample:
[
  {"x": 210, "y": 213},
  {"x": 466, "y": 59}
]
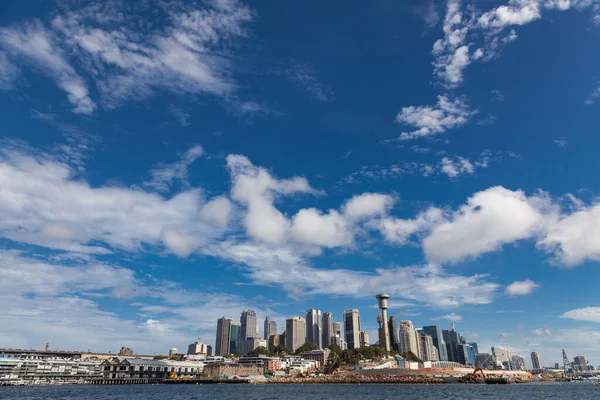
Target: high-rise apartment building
[
  {"x": 428, "y": 351},
  {"x": 364, "y": 339},
  {"x": 337, "y": 329},
  {"x": 393, "y": 328},
  {"x": 222, "y": 340},
  {"x": 197, "y": 348},
  {"x": 234, "y": 337},
  {"x": 408, "y": 339},
  {"x": 270, "y": 328},
  {"x": 352, "y": 329},
  {"x": 295, "y": 333},
  {"x": 502, "y": 356},
  {"x": 327, "y": 329},
  {"x": 517, "y": 363},
  {"x": 314, "y": 330},
  {"x": 438, "y": 341},
  {"x": 536, "y": 363}
]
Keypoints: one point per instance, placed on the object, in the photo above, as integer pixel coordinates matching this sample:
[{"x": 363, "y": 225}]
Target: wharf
[{"x": 203, "y": 381}]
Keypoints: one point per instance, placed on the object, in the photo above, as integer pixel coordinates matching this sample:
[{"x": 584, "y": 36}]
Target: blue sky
[{"x": 163, "y": 165}]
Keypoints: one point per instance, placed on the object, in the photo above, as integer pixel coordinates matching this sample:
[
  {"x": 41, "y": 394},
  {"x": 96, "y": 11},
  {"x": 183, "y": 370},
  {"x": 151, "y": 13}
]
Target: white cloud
[
  {"x": 591, "y": 314},
  {"x": 182, "y": 117},
  {"x": 541, "y": 332},
  {"x": 398, "y": 231},
  {"x": 8, "y": 73},
  {"x": 34, "y": 43},
  {"x": 490, "y": 218},
  {"x": 572, "y": 238},
  {"x": 305, "y": 77},
  {"x": 496, "y": 95},
  {"x": 521, "y": 288},
  {"x": 188, "y": 54},
  {"x": 43, "y": 202},
  {"x": 311, "y": 226},
  {"x": 368, "y": 205},
  {"x": 450, "y": 317},
  {"x": 456, "y": 167},
  {"x": 561, "y": 142},
  {"x": 432, "y": 120},
  {"x": 257, "y": 189},
  {"x": 595, "y": 95},
  {"x": 166, "y": 174}
]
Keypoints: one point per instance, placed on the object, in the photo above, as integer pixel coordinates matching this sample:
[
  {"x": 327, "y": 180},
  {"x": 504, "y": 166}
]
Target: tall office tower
[
  {"x": 209, "y": 352},
  {"x": 234, "y": 337},
  {"x": 428, "y": 351},
  {"x": 454, "y": 345},
  {"x": 270, "y": 328},
  {"x": 438, "y": 341},
  {"x": 502, "y": 356},
  {"x": 475, "y": 347},
  {"x": 536, "y": 363},
  {"x": 364, "y": 338},
  {"x": 295, "y": 333},
  {"x": 327, "y": 329},
  {"x": 408, "y": 338},
  {"x": 393, "y": 328},
  {"x": 222, "y": 342},
  {"x": 248, "y": 330},
  {"x": 580, "y": 363},
  {"x": 467, "y": 354},
  {"x": 314, "y": 330},
  {"x": 382, "y": 302},
  {"x": 352, "y": 329}
]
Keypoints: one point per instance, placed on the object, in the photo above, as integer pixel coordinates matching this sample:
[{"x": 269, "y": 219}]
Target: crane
[{"x": 567, "y": 365}]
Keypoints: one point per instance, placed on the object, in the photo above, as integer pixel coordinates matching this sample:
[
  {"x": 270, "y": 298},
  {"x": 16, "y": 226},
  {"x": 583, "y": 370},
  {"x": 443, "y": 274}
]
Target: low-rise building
[
  {"x": 321, "y": 356},
  {"x": 135, "y": 368},
  {"x": 226, "y": 370},
  {"x": 32, "y": 370}
]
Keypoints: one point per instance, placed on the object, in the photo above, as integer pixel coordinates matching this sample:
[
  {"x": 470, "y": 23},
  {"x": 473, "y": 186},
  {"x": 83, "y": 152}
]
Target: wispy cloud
[
  {"x": 131, "y": 59},
  {"x": 181, "y": 116},
  {"x": 165, "y": 175},
  {"x": 305, "y": 76},
  {"x": 450, "y": 317},
  {"x": 8, "y": 73},
  {"x": 562, "y": 142}
]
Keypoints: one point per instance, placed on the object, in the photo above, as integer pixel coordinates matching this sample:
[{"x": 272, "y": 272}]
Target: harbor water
[{"x": 530, "y": 391}]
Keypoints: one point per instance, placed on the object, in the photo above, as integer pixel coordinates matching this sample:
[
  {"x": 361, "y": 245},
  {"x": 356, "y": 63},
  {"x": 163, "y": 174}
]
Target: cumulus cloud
[
  {"x": 431, "y": 120},
  {"x": 398, "y": 231},
  {"x": 456, "y": 167},
  {"x": 521, "y": 288},
  {"x": 591, "y": 314},
  {"x": 489, "y": 219}
]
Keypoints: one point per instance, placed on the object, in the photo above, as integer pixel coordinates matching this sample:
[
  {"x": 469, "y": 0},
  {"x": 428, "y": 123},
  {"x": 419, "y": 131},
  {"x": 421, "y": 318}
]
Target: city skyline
[{"x": 165, "y": 164}]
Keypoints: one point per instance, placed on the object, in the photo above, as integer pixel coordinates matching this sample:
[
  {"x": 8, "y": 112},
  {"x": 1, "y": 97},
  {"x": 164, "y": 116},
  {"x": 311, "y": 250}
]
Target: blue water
[{"x": 582, "y": 391}]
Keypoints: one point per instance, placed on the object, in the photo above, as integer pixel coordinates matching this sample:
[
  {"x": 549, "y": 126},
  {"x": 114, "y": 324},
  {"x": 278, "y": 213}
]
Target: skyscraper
[
  {"x": 517, "y": 363},
  {"x": 270, "y": 328},
  {"x": 314, "y": 330},
  {"x": 580, "y": 363},
  {"x": 438, "y": 341},
  {"x": 393, "y": 328},
  {"x": 454, "y": 346},
  {"x": 222, "y": 341},
  {"x": 535, "y": 360},
  {"x": 234, "y": 337},
  {"x": 295, "y": 333},
  {"x": 249, "y": 329},
  {"x": 364, "y": 339},
  {"x": 408, "y": 339},
  {"x": 327, "y": 329},
  {"x": 352, "y": 329}
]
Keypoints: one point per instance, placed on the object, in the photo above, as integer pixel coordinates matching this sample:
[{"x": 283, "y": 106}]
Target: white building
[
  {"x": 197, "y": 348},
  {"x": 502, "y": 356},
  {"x": 428, "y": 350},
  {"x": 364, "y": 338},
  {"x": 409, "y": 339}
]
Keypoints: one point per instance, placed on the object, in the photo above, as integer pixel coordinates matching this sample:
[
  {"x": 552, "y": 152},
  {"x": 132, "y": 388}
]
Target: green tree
[
  {"x": 160, "y": 357},
  {"x": 260, "y": 350},
  {"x": 279, "y": 349},
  {"x": 227, "y": 356},
  {"x": 410, "y": 356},
  {"x": 308, "y": 346},
  {"x": 335, "y": 349}
]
